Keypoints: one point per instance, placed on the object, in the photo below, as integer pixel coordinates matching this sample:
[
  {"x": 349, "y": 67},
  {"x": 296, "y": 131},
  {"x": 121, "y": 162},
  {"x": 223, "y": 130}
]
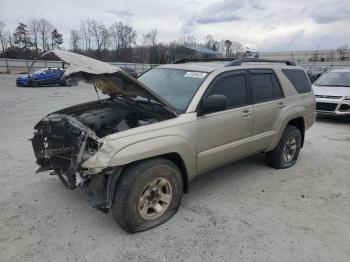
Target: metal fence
[{"x": 21, "y": 65}]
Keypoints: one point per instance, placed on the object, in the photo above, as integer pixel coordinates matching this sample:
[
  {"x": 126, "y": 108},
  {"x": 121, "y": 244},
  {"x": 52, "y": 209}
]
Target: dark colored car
[
  {"x": 130, "y": 71},
  {"x": 45, "y": 76}
]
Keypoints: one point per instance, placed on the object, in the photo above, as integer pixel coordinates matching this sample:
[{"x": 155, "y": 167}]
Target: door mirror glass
[{"x": 213, "y": 103}]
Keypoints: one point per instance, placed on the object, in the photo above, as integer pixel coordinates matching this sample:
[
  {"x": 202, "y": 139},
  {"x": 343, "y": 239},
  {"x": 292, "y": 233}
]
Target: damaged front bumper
[{"x": 61, "y": 144}]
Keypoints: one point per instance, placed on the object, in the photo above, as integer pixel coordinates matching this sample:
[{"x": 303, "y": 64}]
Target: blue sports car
[{"x": 45, "y": 76}]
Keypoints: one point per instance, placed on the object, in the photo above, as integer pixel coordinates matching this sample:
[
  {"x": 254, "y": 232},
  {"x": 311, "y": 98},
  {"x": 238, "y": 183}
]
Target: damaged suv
[{"x": 138, "y": 149}]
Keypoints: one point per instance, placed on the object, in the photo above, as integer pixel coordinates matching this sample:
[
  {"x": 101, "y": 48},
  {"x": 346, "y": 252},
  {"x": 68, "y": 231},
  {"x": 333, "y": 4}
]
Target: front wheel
[
  {"x": 287, "y": 151},
  {"x": 35, "y": 83},
  {"x": 148, "y": 194}
]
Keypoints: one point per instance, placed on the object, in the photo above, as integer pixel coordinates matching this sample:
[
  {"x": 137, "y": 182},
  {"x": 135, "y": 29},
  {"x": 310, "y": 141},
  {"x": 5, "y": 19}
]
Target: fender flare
[
  {"x": 156, "y": 147},
  {"x": 293, "y": 113}
]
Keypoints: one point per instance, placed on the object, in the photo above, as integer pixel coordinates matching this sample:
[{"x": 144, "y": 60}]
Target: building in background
[{"x": 332, "y": 55}]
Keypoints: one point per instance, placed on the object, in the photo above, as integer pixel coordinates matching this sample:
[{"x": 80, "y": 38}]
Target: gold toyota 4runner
[{"x": 138, "y": 149}]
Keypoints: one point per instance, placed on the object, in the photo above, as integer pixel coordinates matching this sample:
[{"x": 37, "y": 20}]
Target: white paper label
[{"x": 195, "y": 74}]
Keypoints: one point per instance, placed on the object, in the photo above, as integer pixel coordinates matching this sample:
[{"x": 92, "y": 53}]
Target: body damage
[{"x": 65, "y": 139}]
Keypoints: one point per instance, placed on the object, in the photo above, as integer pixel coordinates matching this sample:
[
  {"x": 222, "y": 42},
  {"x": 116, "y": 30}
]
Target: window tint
[
  {"x": 233, "y": 87},
  {"x": 262, "y": 87},
  {"x": 299, "y": 80},
  {"x": 265, "y": 86},
  {"x": 276, "y": 87}
]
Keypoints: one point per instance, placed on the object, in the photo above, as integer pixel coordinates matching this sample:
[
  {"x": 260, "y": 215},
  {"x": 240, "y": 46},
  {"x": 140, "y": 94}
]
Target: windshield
[
  {"x": 176, "y": 86},
  {"x": 39, "y": 71},
  {"x": 334, "y": 79}
]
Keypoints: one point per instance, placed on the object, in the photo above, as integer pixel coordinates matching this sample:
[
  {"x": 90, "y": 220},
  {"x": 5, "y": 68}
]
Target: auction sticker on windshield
[{"x": 195, "y": 74}]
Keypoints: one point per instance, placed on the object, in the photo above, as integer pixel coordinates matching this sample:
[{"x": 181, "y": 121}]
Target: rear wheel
[
  {"x": 68, "y": 81},
  {"x": 147, "y": 195},
  {"x": 287, "y": 151}
]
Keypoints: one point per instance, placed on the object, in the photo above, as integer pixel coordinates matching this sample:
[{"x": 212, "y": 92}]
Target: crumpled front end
[{"x": 61, "y": 143}]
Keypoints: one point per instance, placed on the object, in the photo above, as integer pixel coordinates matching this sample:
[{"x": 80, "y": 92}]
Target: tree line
[
  {"x": 115, "y": 42},
  {"x": 29, "y": 40}
]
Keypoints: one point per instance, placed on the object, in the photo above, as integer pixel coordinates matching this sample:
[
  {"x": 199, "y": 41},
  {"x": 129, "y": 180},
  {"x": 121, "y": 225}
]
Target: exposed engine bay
[{"x": 66, "y": 138}]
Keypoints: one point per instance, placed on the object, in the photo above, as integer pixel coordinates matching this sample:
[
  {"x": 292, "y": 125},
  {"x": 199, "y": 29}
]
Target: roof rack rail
[
  {"x": 238, "y": 62},
  {"x": 187, "y": 60}
]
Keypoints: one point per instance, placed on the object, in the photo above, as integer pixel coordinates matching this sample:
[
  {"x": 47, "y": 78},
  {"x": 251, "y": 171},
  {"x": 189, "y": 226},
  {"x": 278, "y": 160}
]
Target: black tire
[
  {"x": 68, "y": 81},
  {"x": 133, "y": 182},
  {"x": 275, "y": 158},
  {"x": 35, "y": 83}
]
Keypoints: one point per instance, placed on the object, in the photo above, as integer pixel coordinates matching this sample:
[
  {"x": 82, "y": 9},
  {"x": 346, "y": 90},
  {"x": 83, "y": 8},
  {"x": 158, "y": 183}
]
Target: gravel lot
[{"x": 243, "y": 212}]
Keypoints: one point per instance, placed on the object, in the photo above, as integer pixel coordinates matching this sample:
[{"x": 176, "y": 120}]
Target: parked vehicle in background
[
  {"x": 44, "y": 77},
  {"x": 315, "y": 72},
  {"x": 332, "y": 92},
  {"x": 130, "y": 71},
  {"x": 138, "y": 149}
]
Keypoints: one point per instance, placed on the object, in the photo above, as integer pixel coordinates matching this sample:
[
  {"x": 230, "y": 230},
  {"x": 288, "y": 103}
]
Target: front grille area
[
  {"x": 344, "y": 107},
  {"x": 326, "y": 106}
]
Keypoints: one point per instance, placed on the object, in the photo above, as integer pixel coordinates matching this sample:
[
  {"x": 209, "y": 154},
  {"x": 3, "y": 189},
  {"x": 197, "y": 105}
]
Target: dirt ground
[{"x": 243, "y": 212}]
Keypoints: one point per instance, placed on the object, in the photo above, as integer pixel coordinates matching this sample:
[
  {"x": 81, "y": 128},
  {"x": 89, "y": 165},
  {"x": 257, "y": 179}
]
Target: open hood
[{"x": 108, "y": 78}]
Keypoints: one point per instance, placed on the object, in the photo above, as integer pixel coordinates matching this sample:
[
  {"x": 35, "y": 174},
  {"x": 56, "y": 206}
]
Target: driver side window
[{"x": 233, "y": 87}]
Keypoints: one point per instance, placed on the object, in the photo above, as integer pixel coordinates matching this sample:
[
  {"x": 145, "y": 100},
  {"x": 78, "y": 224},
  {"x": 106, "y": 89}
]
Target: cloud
[
  {"x": 329, "y": 14},
  {"x": 123, "y": 13},
  {"x": 220, "y": 12},
  {"x": 218, "y": 19}
]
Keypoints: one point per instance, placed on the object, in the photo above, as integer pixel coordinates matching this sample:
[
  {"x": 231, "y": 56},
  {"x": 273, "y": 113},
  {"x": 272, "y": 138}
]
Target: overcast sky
[{"x": 272, "y": 25}]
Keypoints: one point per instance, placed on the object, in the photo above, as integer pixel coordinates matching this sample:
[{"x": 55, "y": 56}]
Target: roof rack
[
  {"x": 238, "y": 62},
  {"x": 187, "y": 60}
]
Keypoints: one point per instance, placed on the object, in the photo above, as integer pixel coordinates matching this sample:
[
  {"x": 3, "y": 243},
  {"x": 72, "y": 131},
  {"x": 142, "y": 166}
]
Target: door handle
[
  {"x": 281, "y": 105},
  {"x": 246, "y": 113}
]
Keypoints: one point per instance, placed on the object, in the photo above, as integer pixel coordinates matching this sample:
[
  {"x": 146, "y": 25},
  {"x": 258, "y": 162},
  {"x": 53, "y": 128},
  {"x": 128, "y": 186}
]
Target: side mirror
[{"x": 213, "y": 103}]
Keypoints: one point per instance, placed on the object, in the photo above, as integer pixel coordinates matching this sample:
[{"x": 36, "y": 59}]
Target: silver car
[{"x": 332, "y": 91}]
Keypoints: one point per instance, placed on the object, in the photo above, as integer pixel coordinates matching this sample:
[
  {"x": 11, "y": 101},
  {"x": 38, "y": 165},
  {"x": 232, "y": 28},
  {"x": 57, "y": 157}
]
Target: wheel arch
[
  {"x": 299, "y": 122},
  {"x": 294, "y": 117}
]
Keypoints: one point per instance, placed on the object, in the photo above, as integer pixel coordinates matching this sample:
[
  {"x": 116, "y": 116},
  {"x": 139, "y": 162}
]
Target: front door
[{"x": 224, "y": 136}]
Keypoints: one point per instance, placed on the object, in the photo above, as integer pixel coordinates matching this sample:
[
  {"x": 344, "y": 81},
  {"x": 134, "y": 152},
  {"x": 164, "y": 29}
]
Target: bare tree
[
  {"x": 45, "y": 29},
  {"x": 10, "y": 41},
  {"x": 85, "y": 31},
  {"x": 2, "y": 36},
  {"x": 150, "y": 39},
  {"x": 75, "y": 40},
  {"x": 189, "y": 41},
  {"x": 34, "y": 26},
  {"x": 100, "y": 35},
  {"x": 122, "y": 35},
  {"x": 341, "y": 50},
  {"x": 209, "y": 42},
  {"x": 237, "y": 48}
]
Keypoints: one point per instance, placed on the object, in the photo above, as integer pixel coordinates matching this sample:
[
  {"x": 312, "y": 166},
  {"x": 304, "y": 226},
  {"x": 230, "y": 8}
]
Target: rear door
[
  {"x": 56, "y": 76},
  {"x": 269, "y": 106},
  {"x": 224, "y": 136}
]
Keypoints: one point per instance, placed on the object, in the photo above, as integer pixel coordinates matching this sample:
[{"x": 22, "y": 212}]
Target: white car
[{"x": 332, "y": 92}]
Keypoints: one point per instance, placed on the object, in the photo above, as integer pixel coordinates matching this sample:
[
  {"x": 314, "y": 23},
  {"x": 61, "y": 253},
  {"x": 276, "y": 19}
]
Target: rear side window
[
  {"x": 299, "y": 80},
  {"x": 276, "y": 87},
  {"x": 265, "y": 86},
  {"x": 233, "y": 87}
]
